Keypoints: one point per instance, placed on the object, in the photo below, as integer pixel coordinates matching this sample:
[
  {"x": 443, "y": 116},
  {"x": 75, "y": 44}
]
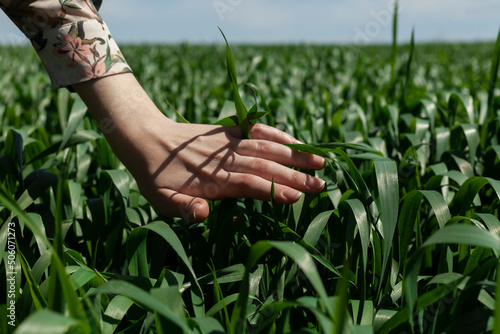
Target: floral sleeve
[{"x": 70, "y": 37}]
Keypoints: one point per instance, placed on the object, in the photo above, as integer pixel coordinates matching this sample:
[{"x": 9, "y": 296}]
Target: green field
[{"x": 404, "y": 238}]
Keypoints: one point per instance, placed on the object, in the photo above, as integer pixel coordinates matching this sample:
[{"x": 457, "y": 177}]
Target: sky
[{"x": 292, "y": 21}]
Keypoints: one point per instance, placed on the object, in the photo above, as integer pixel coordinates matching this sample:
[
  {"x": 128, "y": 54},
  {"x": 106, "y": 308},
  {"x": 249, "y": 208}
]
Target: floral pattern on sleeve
[{"x": 70, "y": 37}]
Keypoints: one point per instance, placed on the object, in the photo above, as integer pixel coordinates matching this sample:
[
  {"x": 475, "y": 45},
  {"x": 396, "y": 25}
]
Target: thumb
[{"x": 172, "y": 203}]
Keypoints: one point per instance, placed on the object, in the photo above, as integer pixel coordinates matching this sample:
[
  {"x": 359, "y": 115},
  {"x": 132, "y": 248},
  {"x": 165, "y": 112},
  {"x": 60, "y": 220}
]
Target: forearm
[
  {"x": 125, "y": 114},
  {"x": 71, "y": 39},
  {"x": 116, "y": 101}
]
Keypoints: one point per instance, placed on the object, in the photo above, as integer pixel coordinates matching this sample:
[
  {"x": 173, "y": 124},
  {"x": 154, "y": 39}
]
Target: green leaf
[
  {"x": 50, "y": 322},
  {"x": 182, "y": 119},
  {"x": 163, "y": 230},
  {"x": 408, "y": 66},
  {"x": 40, "y": 181},
  {"x": 468, "y": 191},
  {"x": 422, "y": 302},
  {"x": 253, "y": 116},
  {"x": 316, "y": 227},
  {"x": 394, "y": 41},
  {"x": 309, "y": 149},
  {"x": 361, "y": 217},
  {"x": 406, "y": 222},
  {"x": 116, "y": 310},
  {"x": 36, "y": 294},
  {"x": 121, "y": 180},
  {"x": 231, "y": 70},
  {"x": 439, "y": 206},
  {"x": 491, "y": 222},
  {"x": 495, "y": 64},
  {"x": 169, "y": 296},
  {"x": 76, "y": 116},
  {"x": 7, "y": 200},
  {"x": 226, "y": 275},
  {"x": 466, "y": 235},
  {"x": 219, "y": 306},
  {"x": 472, "y": 137},
  {"x": 228, "y": 121},
  {"x": 62, "y": 292},
  {"x": 357, "y": 179},
  {"x": 299, "y": 255},
  {"x": 496, "y": 325},
  {"x": 141, "y": 297},
  {"x": 386, "y": 174},
  {"x": 241, "y": 110},
  {"x": 208, "y": 325},
  {"x": 467, "y": 102},
  {"x": 454, "y": 234}
]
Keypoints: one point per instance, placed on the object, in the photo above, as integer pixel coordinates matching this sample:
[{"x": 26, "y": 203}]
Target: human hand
[{"x": 180, "y": 166}]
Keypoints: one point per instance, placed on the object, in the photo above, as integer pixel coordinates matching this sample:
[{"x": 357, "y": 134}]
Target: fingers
[
  {"x": 266, "y": 143},
  {"x": 282, "y": 175},
  {"x": 262, "y": 131},
  {"x": 174, "y": 204},
  {"x": 214, "y": 164},
  {"x": 279, "y": 153},
  {"x": 252, "y": 186}
]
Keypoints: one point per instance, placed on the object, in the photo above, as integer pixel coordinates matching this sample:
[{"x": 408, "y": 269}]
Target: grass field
[{"x": 405, "y": 238}]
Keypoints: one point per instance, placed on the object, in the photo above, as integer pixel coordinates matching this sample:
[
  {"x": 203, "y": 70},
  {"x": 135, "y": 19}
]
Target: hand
[{"x": 178, "y": 166}]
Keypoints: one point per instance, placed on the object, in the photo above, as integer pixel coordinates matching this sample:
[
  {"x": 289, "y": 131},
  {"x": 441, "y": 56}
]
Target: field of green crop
[{"x": 405, "y": 238}]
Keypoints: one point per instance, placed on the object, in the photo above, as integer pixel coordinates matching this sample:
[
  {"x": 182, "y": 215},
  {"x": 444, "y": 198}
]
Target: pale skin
[{"x": 179, "y": 166}]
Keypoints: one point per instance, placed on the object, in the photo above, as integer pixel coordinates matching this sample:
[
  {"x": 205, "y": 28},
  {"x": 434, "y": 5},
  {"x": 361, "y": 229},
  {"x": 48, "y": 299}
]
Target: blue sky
[{"x": 291, "y": 21}]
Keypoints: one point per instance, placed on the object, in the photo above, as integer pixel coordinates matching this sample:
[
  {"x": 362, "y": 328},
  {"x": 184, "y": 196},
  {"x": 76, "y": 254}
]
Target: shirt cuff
[{"x": 78, "y": 52}]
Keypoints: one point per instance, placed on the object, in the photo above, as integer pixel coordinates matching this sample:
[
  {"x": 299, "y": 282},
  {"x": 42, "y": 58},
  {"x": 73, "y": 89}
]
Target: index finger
[{"x": 266, "y": 132}]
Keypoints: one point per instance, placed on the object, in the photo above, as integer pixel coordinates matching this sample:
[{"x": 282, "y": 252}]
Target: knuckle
[
  {"x": 258, "y": 129},
  {"x": 245, "y": 181},
  {"x": 262, "y": 146},
  {"x": 260, "y": 165},
  {"x": 296, "y": 177}
]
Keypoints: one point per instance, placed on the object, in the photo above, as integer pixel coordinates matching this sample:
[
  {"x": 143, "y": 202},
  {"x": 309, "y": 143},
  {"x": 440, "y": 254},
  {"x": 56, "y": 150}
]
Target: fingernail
[
  {"x": 316, "y": 161},
  {"x": 194, "y": 211},
  {"x": 314, "y": 183},
  {"x": 291, "y": 195}
]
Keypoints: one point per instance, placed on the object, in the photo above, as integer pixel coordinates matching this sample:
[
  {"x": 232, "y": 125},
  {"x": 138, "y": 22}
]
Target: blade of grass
[
  {"x": 38, "y": 299},
  {"x": 62, "y": 293},
  {"x": 166, "y": 232},
  {"x": 394, "y": 41},
  {"x": 408, "y": 67},
  {"x": 116, "y": 310},
  {"x": 78, "y": 111},
  {"x": 386, "y": 174},
  {"x": 496, "y": 312},
  {"x": 495, "y": 61},
  {"x": 183, "y": 120},
  {"x": 299, "y": 255},
  {"x": 361, "y": 217},
  {"x": 50, "y": 322},
  {"x": 143, "y": 298},
  {"x": 422, "y": 302},
  {"x": 466, "y": 235},
  {"x": 241, "y": 110}
]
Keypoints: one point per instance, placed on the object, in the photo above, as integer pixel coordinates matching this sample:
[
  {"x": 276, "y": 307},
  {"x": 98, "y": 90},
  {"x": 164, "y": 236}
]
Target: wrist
[{"x": 124, "y": 112}]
